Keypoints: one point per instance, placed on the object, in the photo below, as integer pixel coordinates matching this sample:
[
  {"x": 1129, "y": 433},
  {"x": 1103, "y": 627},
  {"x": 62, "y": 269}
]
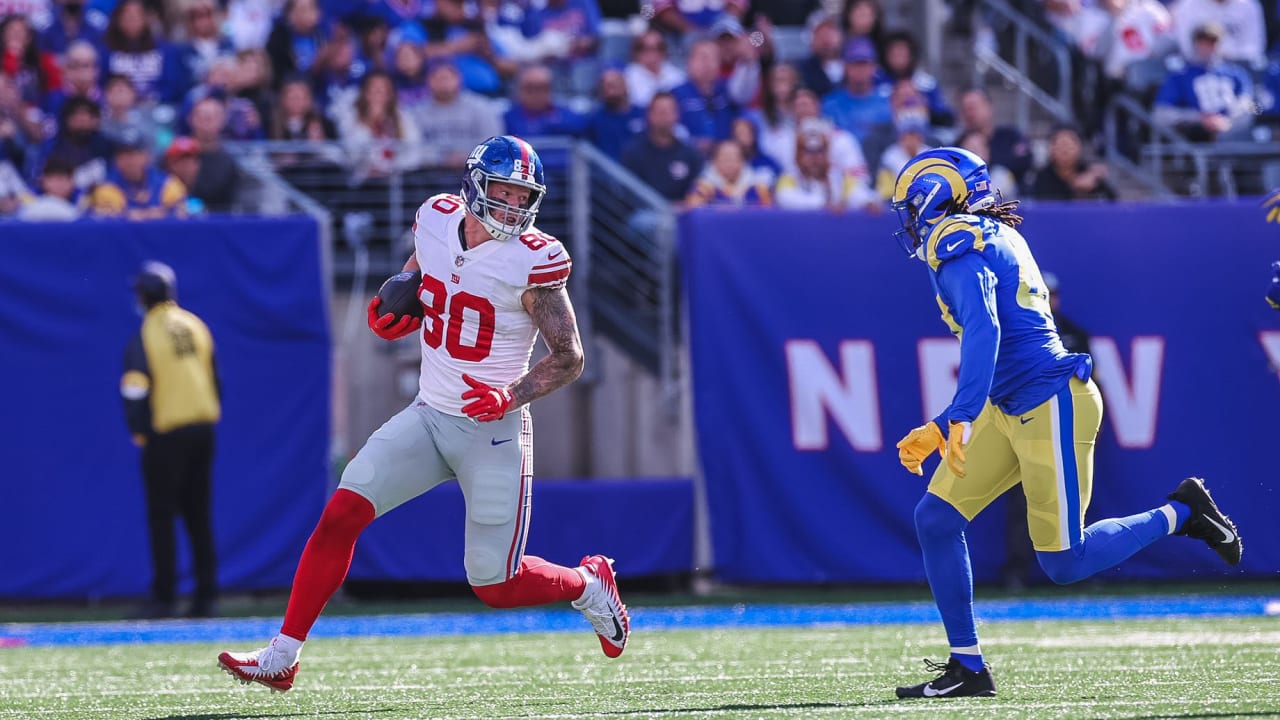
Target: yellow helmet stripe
[{"x": 929, "y": 165}]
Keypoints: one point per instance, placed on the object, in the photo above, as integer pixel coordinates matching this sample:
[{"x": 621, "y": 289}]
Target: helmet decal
[
  {"x": 934, "y": 184},
  {"x": 504, "y": 159}
]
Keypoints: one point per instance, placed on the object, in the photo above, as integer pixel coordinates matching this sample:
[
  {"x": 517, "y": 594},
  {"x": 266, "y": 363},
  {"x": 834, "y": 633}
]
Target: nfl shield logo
[{"x": 458, "y": 260}]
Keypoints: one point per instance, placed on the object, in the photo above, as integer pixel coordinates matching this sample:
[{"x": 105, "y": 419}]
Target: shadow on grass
[
  {"x": 754, "y": 708},
  {"x": 262, "y": 716},
  {"x": 1197, "y": 715}
]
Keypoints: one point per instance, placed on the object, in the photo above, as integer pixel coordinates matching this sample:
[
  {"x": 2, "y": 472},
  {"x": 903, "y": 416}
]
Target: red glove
[
  {"x": 487, "y": 403},
  {"x": 387, "y": 327}
]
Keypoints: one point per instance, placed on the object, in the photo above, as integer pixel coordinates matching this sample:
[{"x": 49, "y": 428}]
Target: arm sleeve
[
  {"x": 135, "y": 388},
  {"x": 971, "y": 285}
]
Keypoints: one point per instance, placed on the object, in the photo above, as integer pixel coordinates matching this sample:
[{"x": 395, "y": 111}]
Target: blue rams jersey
[{"x": 994, "y": 299}]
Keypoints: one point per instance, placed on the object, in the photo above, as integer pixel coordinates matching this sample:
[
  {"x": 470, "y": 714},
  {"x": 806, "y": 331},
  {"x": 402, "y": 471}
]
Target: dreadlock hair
[{"x": 1005, "y": 212}]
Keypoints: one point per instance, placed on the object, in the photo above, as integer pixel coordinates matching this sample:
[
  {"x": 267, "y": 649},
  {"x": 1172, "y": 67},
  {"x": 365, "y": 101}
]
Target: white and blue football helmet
[
  {"x": 935, "y": 184},
  {"x": 506, "y": 159}
]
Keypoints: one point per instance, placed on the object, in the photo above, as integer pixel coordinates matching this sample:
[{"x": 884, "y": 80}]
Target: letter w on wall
[{"x": 1132, "y": 399}]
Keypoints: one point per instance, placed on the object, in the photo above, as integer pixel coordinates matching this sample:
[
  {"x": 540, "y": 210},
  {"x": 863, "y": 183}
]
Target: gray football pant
[{"x": 421, "y": 447}]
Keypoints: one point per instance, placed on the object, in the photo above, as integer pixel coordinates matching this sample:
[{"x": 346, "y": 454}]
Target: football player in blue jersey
[{"x": 1025, "y": 411}]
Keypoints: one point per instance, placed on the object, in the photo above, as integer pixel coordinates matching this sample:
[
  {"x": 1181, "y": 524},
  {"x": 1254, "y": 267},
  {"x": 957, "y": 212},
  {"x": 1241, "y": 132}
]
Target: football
[{"x": 399, "y": 295}]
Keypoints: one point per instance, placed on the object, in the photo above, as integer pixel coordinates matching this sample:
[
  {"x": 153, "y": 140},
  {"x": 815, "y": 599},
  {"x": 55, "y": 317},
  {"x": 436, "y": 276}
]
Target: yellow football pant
[{"x": 1049, "y": 450}]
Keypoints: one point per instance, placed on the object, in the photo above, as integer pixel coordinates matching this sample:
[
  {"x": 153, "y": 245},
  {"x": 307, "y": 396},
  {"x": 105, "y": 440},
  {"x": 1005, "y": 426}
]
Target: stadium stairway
[{"x": 955, "y": 72}]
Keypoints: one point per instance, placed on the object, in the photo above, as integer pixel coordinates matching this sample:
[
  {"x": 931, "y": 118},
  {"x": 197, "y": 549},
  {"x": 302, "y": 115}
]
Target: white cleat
[
  {"x": 272, "y": 666},
  {"x": 603, "y": 607}
]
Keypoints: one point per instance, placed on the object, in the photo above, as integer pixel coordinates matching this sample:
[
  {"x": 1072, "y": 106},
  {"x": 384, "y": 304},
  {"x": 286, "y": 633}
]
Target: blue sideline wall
[{"x": 816, "y": 345}]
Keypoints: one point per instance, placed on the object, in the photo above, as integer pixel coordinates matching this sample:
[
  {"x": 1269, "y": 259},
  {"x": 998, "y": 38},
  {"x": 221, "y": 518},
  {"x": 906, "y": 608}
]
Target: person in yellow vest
[{"x": 172, "y": 401}]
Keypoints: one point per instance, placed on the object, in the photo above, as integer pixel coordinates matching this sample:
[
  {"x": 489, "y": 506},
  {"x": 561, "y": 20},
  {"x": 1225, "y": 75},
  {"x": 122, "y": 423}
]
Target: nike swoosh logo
[
  {"x": 930, "y": 691},
  {"x": 1024, "y": 421},
  {"x": 554, "y": 255},
  {"x": 954, "y": 245},
  {"x": 1227, "y": 535},
  {"x": 617, "y": 632},
  {"x": 495, "y": 441}
]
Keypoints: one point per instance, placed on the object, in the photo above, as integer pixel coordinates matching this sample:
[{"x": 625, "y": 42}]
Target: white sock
[
  {"x": 288, "y": 647},
  {"x": 590, "y": 584},
  {"x": 1170, "y": 516}
]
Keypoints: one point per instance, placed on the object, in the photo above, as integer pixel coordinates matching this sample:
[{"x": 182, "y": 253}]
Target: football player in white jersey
[{"x": 491, "y": 283}]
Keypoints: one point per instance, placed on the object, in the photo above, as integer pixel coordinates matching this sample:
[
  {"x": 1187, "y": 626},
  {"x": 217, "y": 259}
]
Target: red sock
[
  {"x": 538, "y": 582},
  {"x": 325, "y": 560}
]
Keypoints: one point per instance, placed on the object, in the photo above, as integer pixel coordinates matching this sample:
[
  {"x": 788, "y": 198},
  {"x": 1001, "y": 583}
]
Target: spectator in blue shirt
[
  {"x": 658, "y": 157},
  {"x": 1209, "y": 98},
  {"x": 533, "y": 113},
  {"x": 79, "y": 142},
  {"x": 901, "y": 62},
  {"x": 706, "y": 110},
  {"x": 568, "y": 31},
  {"x": 823, "y": 70},
  {"x": 300, "y": 42},
  {"x": 613, "y": 125},
  {"x": 453, "y": 32},
  {"x": 205, "y": 43},
  {"x": 682, "y": 17},
  {"x": 577, "y": 20},
  {"x": 134, "y": 52},
  {"x": 859, "y": 106},
  {"x": 408, "y": 63},
  {"x": 69, "y": 25}
]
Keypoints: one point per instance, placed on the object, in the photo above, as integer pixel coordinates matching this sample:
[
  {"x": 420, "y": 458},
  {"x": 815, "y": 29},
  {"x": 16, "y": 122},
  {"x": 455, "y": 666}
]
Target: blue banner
[
  {"x": 74, "y": 523},
  {"x": 816, "y": 345}
]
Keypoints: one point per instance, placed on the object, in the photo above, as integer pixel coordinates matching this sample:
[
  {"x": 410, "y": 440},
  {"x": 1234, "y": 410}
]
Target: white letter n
[{"x": 849, "y": 395}]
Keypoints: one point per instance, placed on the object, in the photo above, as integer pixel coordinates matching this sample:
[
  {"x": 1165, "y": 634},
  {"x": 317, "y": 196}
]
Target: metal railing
[
  {"x": 373, "y": 212},
  {"x": 620, "y": 232},
  {"x": 1173, "y": 165},
  {"x": 996, "y": 18},
  {"x": 632, "y": 277},
  {"x": 1125, "y": 115}
]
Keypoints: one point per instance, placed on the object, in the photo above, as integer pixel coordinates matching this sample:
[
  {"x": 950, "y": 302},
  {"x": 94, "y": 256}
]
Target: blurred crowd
[{"x": 122, "y": 107}]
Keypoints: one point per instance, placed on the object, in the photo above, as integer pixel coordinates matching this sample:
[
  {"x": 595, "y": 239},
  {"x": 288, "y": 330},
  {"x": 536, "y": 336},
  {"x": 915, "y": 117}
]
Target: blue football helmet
[
  {"x": 505, "y": 159},
  {"x": 155, "y": 283},
  {"x": 933, "y": 185}
]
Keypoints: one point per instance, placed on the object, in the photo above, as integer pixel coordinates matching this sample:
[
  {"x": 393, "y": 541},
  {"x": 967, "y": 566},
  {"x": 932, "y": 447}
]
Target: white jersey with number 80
[{"x": 474, "y": 321}]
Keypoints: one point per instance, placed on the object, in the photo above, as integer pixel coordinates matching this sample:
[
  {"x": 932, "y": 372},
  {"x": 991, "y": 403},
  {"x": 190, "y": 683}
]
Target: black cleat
[
  {"x": 1207, "y": 522},
  {"x": 956, "y": 680}
]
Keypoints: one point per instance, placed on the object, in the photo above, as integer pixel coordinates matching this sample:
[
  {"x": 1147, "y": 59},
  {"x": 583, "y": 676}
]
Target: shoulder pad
[
  {"x": 435, "y": 211},
  {"x": 550, "y": 263},
  {"x": 953, "y": 237}
]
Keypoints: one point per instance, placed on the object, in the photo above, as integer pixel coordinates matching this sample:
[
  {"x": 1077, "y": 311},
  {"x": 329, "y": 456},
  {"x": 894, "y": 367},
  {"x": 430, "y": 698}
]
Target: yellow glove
[
  {"x": 918, "y": 445},
  {"x": 1272, "y": 207},
  {"x": 957, "y": 436}
]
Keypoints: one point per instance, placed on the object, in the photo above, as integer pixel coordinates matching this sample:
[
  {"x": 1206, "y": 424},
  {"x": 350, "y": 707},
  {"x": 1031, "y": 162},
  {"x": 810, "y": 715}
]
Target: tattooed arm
[{"x": 553, "y": 315}]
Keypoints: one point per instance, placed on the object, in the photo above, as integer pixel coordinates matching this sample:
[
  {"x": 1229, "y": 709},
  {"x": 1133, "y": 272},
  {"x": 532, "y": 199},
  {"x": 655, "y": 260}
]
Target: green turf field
[{"x": 1182, "y": 668}]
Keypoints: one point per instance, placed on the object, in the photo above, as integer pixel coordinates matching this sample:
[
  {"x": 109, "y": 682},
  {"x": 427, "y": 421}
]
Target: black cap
[
  {"x": 130, "y": 139},
  {"x": 155, "y": 283}
]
